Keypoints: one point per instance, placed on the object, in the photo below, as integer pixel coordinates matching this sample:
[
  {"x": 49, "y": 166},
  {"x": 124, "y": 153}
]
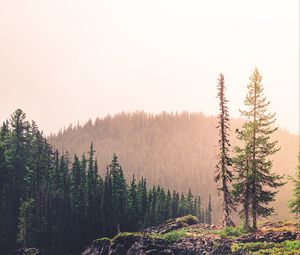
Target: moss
[
  {"x": 123, "y": 235},
  {"x": 171, "y": 236},
  {"x": 104, "y": 239},
  {"x": 231, "y": 232},
  {"x": 187, "y": 220}
]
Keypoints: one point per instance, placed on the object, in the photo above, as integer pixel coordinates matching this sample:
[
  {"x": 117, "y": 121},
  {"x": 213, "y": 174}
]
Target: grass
[
  {"x": 268, "y": 248},
  {"x": 123, "y": 235},
  {"x": 231, "y": 232},
  {"x": 171, "y": 236}
]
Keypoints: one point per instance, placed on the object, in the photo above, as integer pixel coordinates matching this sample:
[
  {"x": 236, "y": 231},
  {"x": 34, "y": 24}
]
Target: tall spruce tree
[
  {"x": 223, "y": 173},
  {"x": 259, "y": 183},
  {"x": 175, "y": 204},
  {"x": 294, "y": 204},
  {"x": 142, "y": 200},
  {"x": 16, "y": 161},
  {"x": 209, "y": 211},
  {"x": 119, "y": 194},
  {"x": 133, "y": 206}
]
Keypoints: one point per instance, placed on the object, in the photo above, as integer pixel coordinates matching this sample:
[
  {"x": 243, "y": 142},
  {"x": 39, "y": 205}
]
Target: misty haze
[{"x": 149, "y": 127}]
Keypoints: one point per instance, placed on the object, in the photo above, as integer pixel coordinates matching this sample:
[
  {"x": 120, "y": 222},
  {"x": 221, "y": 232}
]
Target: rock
[
  {"x": 27, "y": 251},
  {"x": 98, "y": 247},
  {"x": 275, "y": 237},
  {"x": 122, "y": 243},
  {"x": 173, "y": 224}
]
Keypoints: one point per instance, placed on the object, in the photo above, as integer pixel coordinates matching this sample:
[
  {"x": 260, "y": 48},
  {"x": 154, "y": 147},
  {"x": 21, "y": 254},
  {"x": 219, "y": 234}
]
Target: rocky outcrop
[
  {"x": 199, "y": 239},
  {"x": 140, "y": 245},
  {"x": 148, "y": 242}
]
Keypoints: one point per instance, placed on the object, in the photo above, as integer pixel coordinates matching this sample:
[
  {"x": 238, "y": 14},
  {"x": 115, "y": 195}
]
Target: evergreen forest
[{"x": 58, "y": 203}]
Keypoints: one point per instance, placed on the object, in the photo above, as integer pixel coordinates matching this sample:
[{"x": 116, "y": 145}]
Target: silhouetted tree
[{"x": 223, "y": 173}]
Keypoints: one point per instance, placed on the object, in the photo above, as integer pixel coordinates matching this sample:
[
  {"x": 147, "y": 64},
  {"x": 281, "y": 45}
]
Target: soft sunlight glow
[{"x": 77, "y": 60}]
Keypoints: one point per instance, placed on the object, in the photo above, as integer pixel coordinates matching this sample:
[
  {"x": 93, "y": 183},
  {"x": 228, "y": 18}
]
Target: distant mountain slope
[{"x": 174, "y": 150}]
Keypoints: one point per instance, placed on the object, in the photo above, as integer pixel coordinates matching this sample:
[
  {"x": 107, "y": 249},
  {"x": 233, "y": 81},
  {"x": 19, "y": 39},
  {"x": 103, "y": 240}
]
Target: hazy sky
[{"x": 67, "y": 61}]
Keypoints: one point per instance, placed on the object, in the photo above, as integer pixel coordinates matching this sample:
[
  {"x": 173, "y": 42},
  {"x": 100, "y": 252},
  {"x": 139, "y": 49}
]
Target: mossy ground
[
  {"x": 268, "y": 248},
  {"x": 171, "y": 236}
]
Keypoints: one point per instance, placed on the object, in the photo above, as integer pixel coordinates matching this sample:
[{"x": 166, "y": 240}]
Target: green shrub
[
  {"x": 231, "y": 232},
  {"x": 188, "y": 220},
  {"x": 175, "y": 235}
]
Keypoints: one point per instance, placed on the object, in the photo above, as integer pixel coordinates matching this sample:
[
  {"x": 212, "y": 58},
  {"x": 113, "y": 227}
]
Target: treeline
[
  {"x": 172, "y": 149},
  {"x": 60, "y": 203}
]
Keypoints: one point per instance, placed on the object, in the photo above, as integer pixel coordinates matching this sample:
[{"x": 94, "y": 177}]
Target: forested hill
[{"x": 176, "y": 151}]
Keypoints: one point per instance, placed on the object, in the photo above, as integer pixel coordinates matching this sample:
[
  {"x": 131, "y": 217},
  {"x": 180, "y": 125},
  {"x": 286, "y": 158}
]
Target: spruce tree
[
  {"x": 108, "y": 212},
  {"x": 16, "y": 162},
  {"x": 294, "y": 204},
  {"x": 142, "y": 200},
  {"x": 209, "y": 211},
  {"x": 168, "y": 207},
  {"x": 189, "y": 202},
  {"x": 133, "y": 207},
  {"x": 78, "y": 204},
  {"x": 241, "y": 186},
  {"x": 175, "y": 205},
  {"x": 254, "y": 157},
  {"x": 6, "y": 219},
  {"x": 223, "y": 173},
  {"x": 119, "y": 194}
]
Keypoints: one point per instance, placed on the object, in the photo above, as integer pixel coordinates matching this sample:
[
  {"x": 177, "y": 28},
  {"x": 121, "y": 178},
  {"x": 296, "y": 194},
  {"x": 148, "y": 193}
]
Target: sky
[{"x": 66, "y": 61}]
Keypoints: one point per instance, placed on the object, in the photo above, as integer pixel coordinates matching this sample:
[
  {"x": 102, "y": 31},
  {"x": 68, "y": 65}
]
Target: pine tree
[
  {"x": 209, "y": 211},
  {"x": 189, "y": 202},
  {"x": 98, "y": 202},
  {"x": 108, "y": 211},
  {"x": 223, "y": 173},
  {"x": 294, "y": 204},
  {"x": 133, "y": 209},
  {"x": 182, "y": 205},
  {"x": 16, "y": 143},
  {"x": 242, "y": 185},
  {"x": 161, "y": 205},
  {"x": 142, "y": 201},
  {"x": 198, "y": 209},
  {"x": 253, "y": 159},
  {"x": 175, "y": 205},
  {"x": 78, "y": 204},
  {"x": 119, "y": 194},
  {"x": 168, "y": 207},
  {"x": 6, "y": 219}
]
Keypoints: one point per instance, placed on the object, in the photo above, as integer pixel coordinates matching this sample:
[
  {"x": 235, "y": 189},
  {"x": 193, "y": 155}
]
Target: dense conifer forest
[
  {"x": 60, "y": 202},
  {"x": 173, "y": 149}
]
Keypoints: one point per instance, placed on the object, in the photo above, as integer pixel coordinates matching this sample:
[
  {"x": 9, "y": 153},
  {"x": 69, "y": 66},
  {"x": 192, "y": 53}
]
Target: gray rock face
[{"x": 98, "y": 247}]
